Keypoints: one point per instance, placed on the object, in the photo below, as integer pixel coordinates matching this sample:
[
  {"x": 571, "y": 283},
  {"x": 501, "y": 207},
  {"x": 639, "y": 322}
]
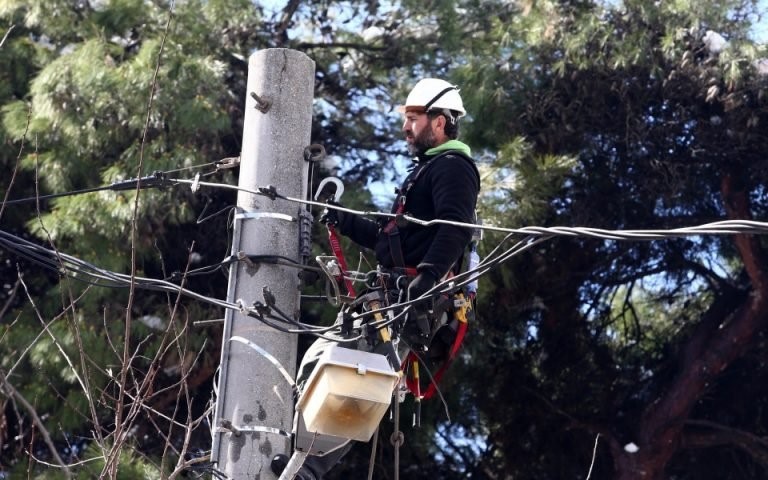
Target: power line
[
  {"x": 532, "y": 235},
  {"x": 160, "y": 180}
]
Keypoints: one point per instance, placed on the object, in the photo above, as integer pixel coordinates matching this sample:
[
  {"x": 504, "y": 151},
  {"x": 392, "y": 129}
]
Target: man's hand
[
  {"x": 330, "y": 216},
  {"x": 420, "y": 285},
  {"x": 418, "y": 328}
]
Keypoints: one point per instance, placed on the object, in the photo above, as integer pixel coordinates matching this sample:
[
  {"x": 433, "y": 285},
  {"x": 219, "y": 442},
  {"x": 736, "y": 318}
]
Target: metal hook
[{"x": 335, "y": 181}]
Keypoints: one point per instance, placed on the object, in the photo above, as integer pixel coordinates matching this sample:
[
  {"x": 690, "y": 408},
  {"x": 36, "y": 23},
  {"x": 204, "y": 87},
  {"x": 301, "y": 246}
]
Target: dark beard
[{"x": 422, "y": 142}]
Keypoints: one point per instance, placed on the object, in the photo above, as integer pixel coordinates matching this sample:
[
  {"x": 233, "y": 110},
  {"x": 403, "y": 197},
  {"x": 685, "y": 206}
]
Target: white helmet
[{"x": 435, "y": 94}]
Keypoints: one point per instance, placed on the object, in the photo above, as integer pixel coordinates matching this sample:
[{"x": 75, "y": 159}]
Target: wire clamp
[
  {"x": 259, "y": 309},
  {"x": 269, "y": 191},
  {"x": 269, "y": 297},
  {"x": 397, "y": 439},
  {"x": 196, "y": 183},
  {"x": 243, "y": 257},
  {"x": 242, "y": 306},
  {"x": 225, "y": 163},
  {"x": 228, "y": 427}
]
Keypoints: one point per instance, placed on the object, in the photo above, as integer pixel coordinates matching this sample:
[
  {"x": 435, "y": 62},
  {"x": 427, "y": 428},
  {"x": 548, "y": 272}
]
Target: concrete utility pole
[{"x": 253, "y": 394}]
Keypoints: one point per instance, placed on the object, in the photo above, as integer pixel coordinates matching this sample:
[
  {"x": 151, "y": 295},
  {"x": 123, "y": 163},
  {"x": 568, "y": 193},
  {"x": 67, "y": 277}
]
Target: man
[{"x": 443, "y": 184}]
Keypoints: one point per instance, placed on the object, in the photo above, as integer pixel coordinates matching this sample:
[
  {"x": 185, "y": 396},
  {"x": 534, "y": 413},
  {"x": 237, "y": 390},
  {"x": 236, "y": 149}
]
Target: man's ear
[{"x": 440, "y": 122}]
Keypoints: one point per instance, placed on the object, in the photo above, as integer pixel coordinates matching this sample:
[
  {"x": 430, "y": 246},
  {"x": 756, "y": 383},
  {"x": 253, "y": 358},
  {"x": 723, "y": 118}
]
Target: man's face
[{"x": 417, "y": 128}]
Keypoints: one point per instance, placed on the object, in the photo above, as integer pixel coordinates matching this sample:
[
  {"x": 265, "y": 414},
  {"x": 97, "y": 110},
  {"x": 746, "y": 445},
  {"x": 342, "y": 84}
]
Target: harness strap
[
  {"x": 391, "y": 227},
  {"x": 333, "y": 239},
  {"x": 410, "y": 364}
]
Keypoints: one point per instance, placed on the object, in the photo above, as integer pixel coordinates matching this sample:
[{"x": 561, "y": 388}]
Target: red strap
[
  {"x": 413, "y": 383},
  {"x": 333, "y": 238}
]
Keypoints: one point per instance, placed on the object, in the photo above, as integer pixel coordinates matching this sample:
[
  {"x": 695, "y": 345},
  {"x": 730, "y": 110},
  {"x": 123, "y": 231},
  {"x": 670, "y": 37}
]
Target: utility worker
[{"x": 443, "y": 184}]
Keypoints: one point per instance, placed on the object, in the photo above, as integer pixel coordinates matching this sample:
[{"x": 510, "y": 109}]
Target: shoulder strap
[
  {"x": 390, "y": 228},
  {"x": 421, "y": 168}
]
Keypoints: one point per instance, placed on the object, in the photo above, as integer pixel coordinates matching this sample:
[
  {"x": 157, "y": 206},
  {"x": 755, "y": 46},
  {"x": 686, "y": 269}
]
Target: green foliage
[{"x": 582, "y": 114}]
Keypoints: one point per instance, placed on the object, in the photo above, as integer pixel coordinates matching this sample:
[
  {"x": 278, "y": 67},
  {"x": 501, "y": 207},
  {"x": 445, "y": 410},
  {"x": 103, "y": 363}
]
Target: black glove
[
  {"x": 332, "y": 217},
  {"x": 420, "y": 285},
  {"x": 417, "y": 330}
]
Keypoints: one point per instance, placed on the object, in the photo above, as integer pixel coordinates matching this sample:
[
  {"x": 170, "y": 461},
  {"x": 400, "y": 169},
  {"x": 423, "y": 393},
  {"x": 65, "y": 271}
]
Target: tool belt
[{"x": 426, "y": 339}]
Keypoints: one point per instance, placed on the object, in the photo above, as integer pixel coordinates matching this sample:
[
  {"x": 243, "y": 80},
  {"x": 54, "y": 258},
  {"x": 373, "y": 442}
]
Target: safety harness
[{"x": 456, "y": 306}]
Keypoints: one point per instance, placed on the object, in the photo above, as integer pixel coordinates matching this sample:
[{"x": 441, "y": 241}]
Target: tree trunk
[{"x": 721, "y": 336}]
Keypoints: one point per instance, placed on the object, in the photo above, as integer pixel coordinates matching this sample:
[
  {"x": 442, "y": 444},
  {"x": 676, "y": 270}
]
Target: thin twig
[
  {"x": 110, "y": 467},
  {"x": 6, "y": 35},
  {"x": 55, "y": 340},
  {"x": 18, "y": 158},
  {"x": 594, "y": 455},
  {"x": 45, "y": 329},
  {"x": 36, "y": 420},
  {"x": 11, "y": 297},
  {"x": 66, "y": 289}
]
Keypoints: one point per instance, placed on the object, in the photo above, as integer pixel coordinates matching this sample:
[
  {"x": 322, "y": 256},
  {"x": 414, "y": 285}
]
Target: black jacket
[{"x": 446, "y": 187}]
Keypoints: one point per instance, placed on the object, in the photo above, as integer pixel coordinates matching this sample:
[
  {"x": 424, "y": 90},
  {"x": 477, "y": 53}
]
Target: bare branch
[
  {"x": 36, "y": 420},
  {"x": 11, "y": 297},
  {"x": 10, "y": 29},
  {"x": 282, "y": 27},
  {"x": 110, "y": 467},
  {"x": 717, "y": 434},
  {"x": 18, "y": 159}
]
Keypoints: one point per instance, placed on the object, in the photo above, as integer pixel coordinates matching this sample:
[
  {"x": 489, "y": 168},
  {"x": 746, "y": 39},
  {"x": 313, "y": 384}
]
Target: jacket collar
[{"x": 456, "y": 145}]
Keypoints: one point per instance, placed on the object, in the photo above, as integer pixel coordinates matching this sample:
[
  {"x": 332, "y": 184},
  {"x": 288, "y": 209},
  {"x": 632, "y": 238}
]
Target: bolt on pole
[{"x": 254, "y": 406}]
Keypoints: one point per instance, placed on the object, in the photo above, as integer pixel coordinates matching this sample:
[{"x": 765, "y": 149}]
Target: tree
[
  {"x": 634, "y": 342},
  {"x": 102, "y": 92},
  {"x": 640, "y": 115}
]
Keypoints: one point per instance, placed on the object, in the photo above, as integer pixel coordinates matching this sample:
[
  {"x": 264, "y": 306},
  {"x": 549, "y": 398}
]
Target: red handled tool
[{"x": 333, "y": 237}]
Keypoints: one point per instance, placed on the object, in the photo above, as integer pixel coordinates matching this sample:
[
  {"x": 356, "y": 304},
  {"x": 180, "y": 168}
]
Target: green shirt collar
[{"x": 450, "y": 145}]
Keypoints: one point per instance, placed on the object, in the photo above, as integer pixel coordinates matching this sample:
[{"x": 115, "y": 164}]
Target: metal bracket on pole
[
  {"x": 226, "y": 426},
  {"x": 256, "y": 215},
  {"x": 262, "y": 104},
  {"x": 314, "y": 153}
]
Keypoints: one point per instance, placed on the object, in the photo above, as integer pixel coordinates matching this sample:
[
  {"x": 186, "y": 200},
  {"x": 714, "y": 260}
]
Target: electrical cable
[
  {"x": 64, "y": 264},
  {"x": 83, "y": 271},
  {"x": 160, "y": 179},
  {"x": 724, "y": 227}
]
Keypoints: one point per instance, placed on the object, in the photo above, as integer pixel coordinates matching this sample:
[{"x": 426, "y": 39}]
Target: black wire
[
  {"x": 431, "y": 377},
  {"x": 57, "y": 195},
  {"x": 201, "y": 219}
]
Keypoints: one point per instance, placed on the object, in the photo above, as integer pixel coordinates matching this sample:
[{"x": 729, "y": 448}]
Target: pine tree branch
[{"x": 723, "y": 334}]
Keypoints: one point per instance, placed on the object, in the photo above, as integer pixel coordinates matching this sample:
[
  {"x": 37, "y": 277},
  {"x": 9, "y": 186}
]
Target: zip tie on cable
[{"x": 268, "y": 356}]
